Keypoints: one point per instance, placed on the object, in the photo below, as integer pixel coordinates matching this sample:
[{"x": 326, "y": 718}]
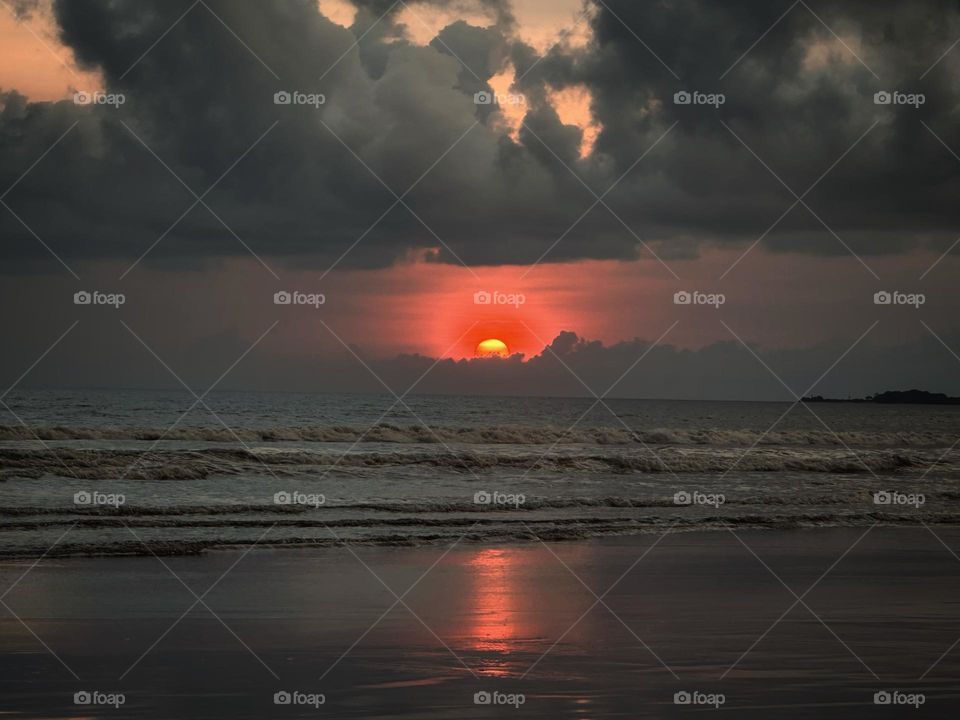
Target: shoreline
[
  {"x": 136, "y": 548},
  {"x": 683, "y": 613}
]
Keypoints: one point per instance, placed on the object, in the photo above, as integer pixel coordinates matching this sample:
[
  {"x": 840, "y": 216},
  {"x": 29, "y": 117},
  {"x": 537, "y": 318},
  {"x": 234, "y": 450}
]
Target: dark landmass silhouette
[{"x": 893, "y": 397}]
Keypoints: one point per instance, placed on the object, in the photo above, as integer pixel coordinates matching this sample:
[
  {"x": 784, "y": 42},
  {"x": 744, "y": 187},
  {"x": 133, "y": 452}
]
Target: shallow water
[{"x": 694, "y": 612}]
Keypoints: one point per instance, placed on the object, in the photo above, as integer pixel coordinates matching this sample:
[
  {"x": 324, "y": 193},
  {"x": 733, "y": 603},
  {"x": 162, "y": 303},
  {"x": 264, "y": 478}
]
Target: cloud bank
[{"x": 303, "y": 184}]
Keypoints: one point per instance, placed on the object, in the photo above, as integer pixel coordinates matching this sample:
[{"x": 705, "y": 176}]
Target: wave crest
[
  {"x": 489, "y": 435},
  {"x": 196, "y": 464}
]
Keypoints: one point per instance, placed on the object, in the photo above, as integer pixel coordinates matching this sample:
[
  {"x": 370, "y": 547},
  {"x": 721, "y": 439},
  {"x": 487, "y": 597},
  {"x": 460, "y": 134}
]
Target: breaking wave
[
  {"x": 195, "y": 464},
  {"x": 447, "y": 530},
  {"x": 493, "y": 435}
]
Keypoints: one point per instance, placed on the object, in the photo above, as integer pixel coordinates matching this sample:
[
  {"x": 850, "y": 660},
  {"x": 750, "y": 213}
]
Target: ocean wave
[
  {"x": 492, "y": 435},
  {"x": 464, "y": 532},
  {"x": 423, "y": 506},
  {"x": 197, "y": 464}
]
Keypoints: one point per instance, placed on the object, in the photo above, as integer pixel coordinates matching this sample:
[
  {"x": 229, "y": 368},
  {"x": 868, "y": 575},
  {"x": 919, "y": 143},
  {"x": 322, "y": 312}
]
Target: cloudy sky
[{"x": 816, "y": 163}]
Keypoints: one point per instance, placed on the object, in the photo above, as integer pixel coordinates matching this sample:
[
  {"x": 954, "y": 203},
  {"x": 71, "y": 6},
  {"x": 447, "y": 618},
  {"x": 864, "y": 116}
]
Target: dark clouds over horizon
[
  {"x": 103, "y": 356},
  {"x": 200, "y": 99}
]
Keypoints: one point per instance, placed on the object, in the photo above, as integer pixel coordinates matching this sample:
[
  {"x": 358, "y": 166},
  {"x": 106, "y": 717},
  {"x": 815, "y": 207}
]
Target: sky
[{"x": 585, "y": 201}]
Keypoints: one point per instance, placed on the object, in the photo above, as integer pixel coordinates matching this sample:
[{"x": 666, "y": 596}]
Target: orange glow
[
  {"x": 539, "y": 23},
  {"x": 35, "y": 62},
  {"x": 510, "y": 114},
  {"x": 423, "y": 21},
  {"x": 496, "y": 612},
  {"x": 341, "y": 12},
  {"x": 491, "y": 347},
  {"x": 544, "y": 23},
  {"x": 573, "y": 108},
  {"x": 513, "y": 606},
  {"x": 432, "y": 309},
  {"x": 446, "y": 310}
]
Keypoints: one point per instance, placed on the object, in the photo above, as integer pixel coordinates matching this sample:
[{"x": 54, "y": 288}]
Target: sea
[{"x": 135, "y": 472}]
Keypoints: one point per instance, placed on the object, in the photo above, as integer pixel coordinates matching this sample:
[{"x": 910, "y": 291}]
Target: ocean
[{"x": 143, "y": 472}]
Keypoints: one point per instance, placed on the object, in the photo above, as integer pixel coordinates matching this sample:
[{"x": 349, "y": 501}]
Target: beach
[
  {"x": 693, "y": 612},
  {"x": 533, "y": 557}
]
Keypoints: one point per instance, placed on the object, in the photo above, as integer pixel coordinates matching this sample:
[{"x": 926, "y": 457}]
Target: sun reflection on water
[{"x": 496, "y": 617}]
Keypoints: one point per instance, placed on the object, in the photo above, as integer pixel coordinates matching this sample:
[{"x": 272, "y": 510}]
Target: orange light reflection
[{"x": 496, "y": 618}]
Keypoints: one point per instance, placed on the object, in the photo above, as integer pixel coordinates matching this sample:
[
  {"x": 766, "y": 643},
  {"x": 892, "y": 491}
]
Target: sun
[{"x": 492, "y": 348}]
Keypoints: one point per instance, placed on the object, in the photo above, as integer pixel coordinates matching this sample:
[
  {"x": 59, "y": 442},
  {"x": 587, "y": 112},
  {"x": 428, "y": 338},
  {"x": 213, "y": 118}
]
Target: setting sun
[{"x": 492, "y": 348}]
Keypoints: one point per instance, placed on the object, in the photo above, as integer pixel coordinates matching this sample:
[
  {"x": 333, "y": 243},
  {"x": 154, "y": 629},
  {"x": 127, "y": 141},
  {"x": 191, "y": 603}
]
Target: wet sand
[{"x": 696, "y": 613}]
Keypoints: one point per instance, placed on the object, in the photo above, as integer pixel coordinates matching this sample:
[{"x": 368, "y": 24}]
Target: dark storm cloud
[
  {"x": 100, "y": 355},
  {"x": 200, "y": 100},
  {"x": 573, "y": 366},
  {"x": 800, "y": 100}
]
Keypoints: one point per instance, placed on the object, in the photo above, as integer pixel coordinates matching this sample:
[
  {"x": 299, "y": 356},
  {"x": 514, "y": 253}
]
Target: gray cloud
[
  {"x": 104, "y": 355},
  {"x": 200, "y": 99},
  {"x": 22, "y": 9}
]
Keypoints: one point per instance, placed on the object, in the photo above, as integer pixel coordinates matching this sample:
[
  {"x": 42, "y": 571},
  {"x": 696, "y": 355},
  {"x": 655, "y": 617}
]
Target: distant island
[{"x": 893, "y": 397}]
